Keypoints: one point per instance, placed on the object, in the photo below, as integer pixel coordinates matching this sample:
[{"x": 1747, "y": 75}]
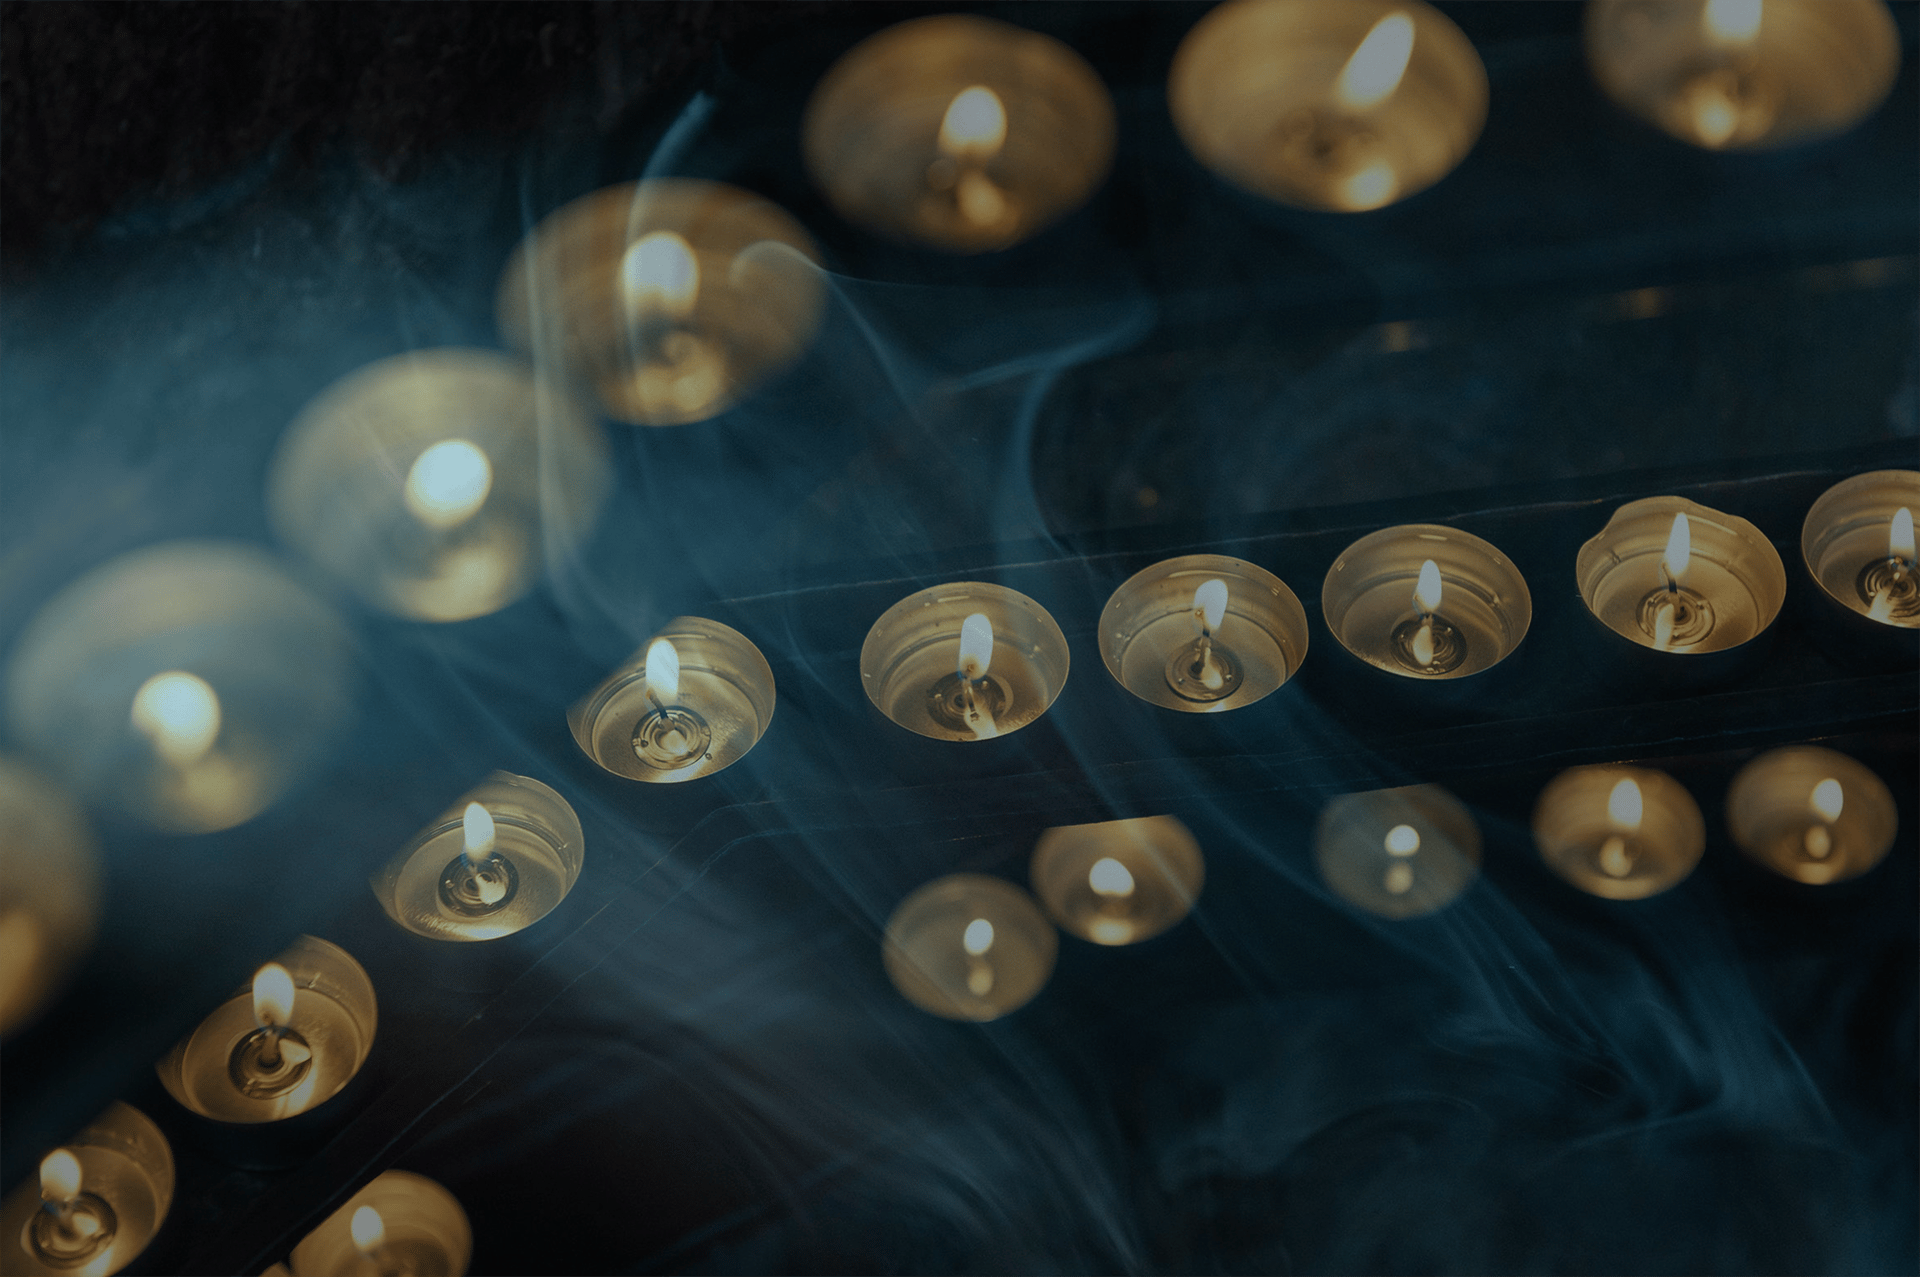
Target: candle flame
[
  {"x": 179, "y": 713},
  {"x": 660, "y": 271},
  {"x": 272, "y": 996},
  {"x": 1368, "y": 189},
  {"x": 1827, "y": 799},
  {"x": 663, "y": 671},
  {"x": 1715, "y": 117},
  {"x": 1731, "y": 21},
  {"x": 975, "y": 125},
  {"x": 976, "y": 646},
  {"x": 368, "y": 1229},
  {"x": 1679, "y": 549},
  {"x": 59, "y": 1176},
  {"x": 1109, "y": 877},
  {"x": 1900, "y": 535},
  {"x": 1426, "y": 594},
  {"x": 1378, "y": 65},
  {"x": 448, "y": 483},
  {"x": 477, "y": 831},
  {"x": 1626, "y": 806},
  {"x": 1210, "y": 605},
  {"x": 978, "y": 937},
  {"x": 1402, "y": 840}
]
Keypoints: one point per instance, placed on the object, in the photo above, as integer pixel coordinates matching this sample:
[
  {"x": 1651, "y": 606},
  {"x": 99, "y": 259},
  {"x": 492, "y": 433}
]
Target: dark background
[{"x": 211, "y": 212}]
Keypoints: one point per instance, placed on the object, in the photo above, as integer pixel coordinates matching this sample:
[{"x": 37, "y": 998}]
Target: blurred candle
[
  {"x": 1622, "y": 833},
  {"x": 966, "y": 661},
  {"x": 1397, "y": 853},
  {"x": 398, "y": 1225},
  {"x": 1118, "y": 881},
  {"x": 969, "y": 947},
  {"x": 49, "y": 890},
  {"x": 1811, "y": 814},
  {"x": 96, "y": 1202}
]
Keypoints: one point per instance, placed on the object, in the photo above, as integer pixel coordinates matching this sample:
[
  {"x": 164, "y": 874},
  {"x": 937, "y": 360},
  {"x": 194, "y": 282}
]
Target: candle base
[
  {"x": 269, "y": 1063},
  {"x": 969, "y": 705},
  {"x": 1688, "y": 617},
  {"x": 671, "y": 737},
  {"x": 69, "y": 1237},
  {"x": 475, "y": 890},
  {"x": 1203, "y": 671},
  {"x": 1445, "y": 646},
  {"x": 1891, "y": 590}
]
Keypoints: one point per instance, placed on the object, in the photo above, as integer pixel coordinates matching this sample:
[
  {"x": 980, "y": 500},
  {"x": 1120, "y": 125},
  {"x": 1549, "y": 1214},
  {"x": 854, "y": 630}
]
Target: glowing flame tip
[
  {"x": 1109, "y": 877},
  {"x": 978, "y": 937},
  {"x": 975, "y": 125},
  {"x": 1402, "y": 840},
  {"x": 663, "y": 670},
  {"x": 1827, "y": 799},
  {"x": 1426, "y": 593},
  {"x": 1679, "y": 548},
  {"x": 976, "y": 646},
  {"x": 660, "y": 269},
  {"x": 59, "y": 1176},
  {"x": 1732, "y": 21},
  {"x": 1378, "y": 65},
  {"x": 368, "y": 1229},
  {"x": 448, "y": 483},
  {"x": 1210, "y": 602},
  {"x": 272, "y": 996},
  {"x": 477, "y": 831},
  {"x": 1900, "y": 535},
  {"x": 1626, "y": 805},
  {"x": 179, "y": 713}
]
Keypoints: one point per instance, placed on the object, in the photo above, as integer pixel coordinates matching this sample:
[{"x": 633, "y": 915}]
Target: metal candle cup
[
  {"x": 1341, "y": 105},
  {"x": 1859, "y": 549},
  {"x": 126, "y": 1182},
  {"x": 719, "y": 704},
  {"x": 969, "y": 947},
  {"x": 911, "y": 660},
  {"x": 418, "y": 1228},
  {"x": 1811, "y": 814},
  {"x": 958, "y": 131},
  {"x": 187, "y": 683},
  {"x": 435, "y": 483},
  {"x": 1464, "y": 615},
  {"x": 1151, "y": 635},
  {"x": 671, "y": 298},
  {"x": 1740, "y": 75},
  {"x": 480, "y": 876},
  {"x": 1622, "y": 833},
  {"x": 333, "y": 1014},
  {"x": 52, "y": 900},
  {"x": 1118, "y": 881},
  {"x": 1397, "y": 853}
]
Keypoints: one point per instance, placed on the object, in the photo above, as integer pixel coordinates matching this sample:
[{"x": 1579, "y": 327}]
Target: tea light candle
[
  {"x": 399, "y": 1225},
  {"x": 501, "y": 857},
  {"x": 958, "y": 131},
  {"x": 1811, "y": 814},
  {"x": 969, "y": 947},
  {"x": 692, "y": 701},
  {"x": 965, "y": 661},
  {"x": 52, "y": 897},
  {"x": 1675, "y": 576},
  {"x": 1341, "y": 105},
  {"x": 1118, "y": 881},
  {"x": 1425, "y": 601},
  {"x": 285, "y": 1045},
  {"x": 1858, "y": 544},
  {"x": 97, "y": 1202},
  {"x": 187, "y": 683},
  {"x": 1397, "y": 853},
  {"x": 1202, "y": 634},
  {"x": 434, "y": 483},
  {"x": 1745, "y": 74},
  {"x": 671, "y": 298},
  {"x": 1623, "y": 833}
]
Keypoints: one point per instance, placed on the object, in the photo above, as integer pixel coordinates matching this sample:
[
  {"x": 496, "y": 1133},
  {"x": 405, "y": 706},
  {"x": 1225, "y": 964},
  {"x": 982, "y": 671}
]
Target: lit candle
[
  {"x": 398, "y": 1225},
  {"x": 967, "y": 699},
  {"x": 1889, "y": 585},
  {"x": 1672, "y": 615},
  {"x": 382, "y": 1256},
  {"x": 1369, "y": 608},
  {"x": 966, "y": 661},
  {"x": 75, "y": 1225},
  {"x": 96, "y": 1202},
  {"x": 1203, "y": 670},
  {"x": 1858, "y": 544},
  {"x": 479, "y": 881},
  {"x": 1118, "y": 881},
  {"x": 969, "y": 947},
  {"x": 1397, "y": 853},
  {"x": 1618, "y": 832},
  {"x": 1811, "y": 814},
  {"x": 179, "y": 713},
  {"x": 1426, "y": 642},
  {"x": 671, "y": 737},
  {"x": 972, "y": 134},
  {"x": 275, "y": 1058},
  {"x": 448, "y": 483},
  {"x": 1672, "y": 575},
  {"x": 1202, "y": 633}
]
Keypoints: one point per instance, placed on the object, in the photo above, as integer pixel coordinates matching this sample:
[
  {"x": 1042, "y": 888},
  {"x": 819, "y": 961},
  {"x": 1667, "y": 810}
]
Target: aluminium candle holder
[
  {"x": 1118, "y": 882},
  {"x": 125, "y": 1188},
  {"x": 1706, "y": 622},
  {"x": 1159, "y": 643},
  {"x": 911, "y": 663},
  {"x": 1397, "y": 853},
  {"x": 1334, "y": 105},
  {"x": 470, "y": 877},
  {"x": 1744, "y": 76},
  {"x": 1811, "y": 815},
  {"x": 1859, "y": 553},
  {"x": 417, "y": 1227},
  {"x": 1621, "y": 833},
  {"x": 187, "y": 684},
  {"x": 707, "y": 702},
  {"x": 959, "y": 132},
  {"x": 969, "y": 947},
  {"x": 435, "y": 484},
  {"x": 49, "y": 894},
  {"x": 671, "y": 299}
]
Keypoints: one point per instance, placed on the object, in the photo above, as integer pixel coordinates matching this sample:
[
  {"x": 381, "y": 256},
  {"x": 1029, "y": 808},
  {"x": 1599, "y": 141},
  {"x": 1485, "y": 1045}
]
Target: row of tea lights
[{"x": 964, "y": 946}]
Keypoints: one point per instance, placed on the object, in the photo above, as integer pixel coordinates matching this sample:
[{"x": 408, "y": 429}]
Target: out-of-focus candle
[
  {"x": 286, "y": 1044},
  {"x": 1619, "y": 832},
  {"x": 96, "y": 1203},
  {"x": 1858, "y": 544},
  {"x": 965, "y": 661},
  {"x": 958, "y": 131},
  {"x": 1675, "y": 576},
  {"x": 969, "y": 947},
  {"x": 1744, "y": 74},
  {"x": 1203, "y": 633},
  {"x": 399, "y": 1225},
  {"x": 1811, "y": 814},
  {"x": 1118, "y": 881},
  {"x": 1425, "y": 601},
  {"x": 1343, "y": 105},
  {"x": 1397, "y": 853},
  {"x": 501, "y": 857},
  {"x": 49, "y": 890}
]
